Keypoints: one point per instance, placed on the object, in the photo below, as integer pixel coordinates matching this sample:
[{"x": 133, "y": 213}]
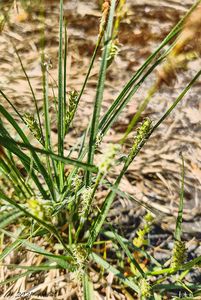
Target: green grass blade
[
  {"x": 61, "y": 260},
  {"x": 112, "y": 110},
  {"x": 39, "y": 164},
  {"x": 128, "y": 253},
  {"x": 61, "y": 117},
  {"x": 26, "y": 161},
  {"x": 179, "y": 98},
  {"x": 9, "y": 143},
  {"x": 16, "y": 277},
  {"x": 42, "y": 267},
  {"x": 178, "y": 229},
  {"x": 99, "y": 92},
  {"x": 32, "y": 92},
  {"x": 88, "y": 288},
  {"x": 9, "y": 217},
  {"x": 48, "y": 145},
  {"x": 13, "y": 246},
  {"x": 46, "y": 225},
  {"x": 110, "y": 235},
  {"x": 65, "y": 66},
  {"x": 6, "y": 98},
  {"x": 103, "y": 263}
]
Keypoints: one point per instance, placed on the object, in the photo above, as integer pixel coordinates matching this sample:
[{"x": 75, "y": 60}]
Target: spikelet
[
  {"x": 141, "y": 239},
  {"x": 2, "y": 22},
  {"x": 179, "y": 254},
  {"x": 104, "y": 17},
  {"x": 141, "y": 136},
  {"x": 80, "y": 257},
  {"x": 85, "y": 201},
  {"x": 114, "y": 45},
  {"x": 33, "y": 127},
  {"x": 120, "y": 14},
  {"x": 99, "y": 139},
  {"x": 145, "y": 289},
  {"x": 76, "y": 182},
  {"x": 113, "y": 52},
  {"x": 191, "y": 32},
  {"x": 72, "y": 106}
]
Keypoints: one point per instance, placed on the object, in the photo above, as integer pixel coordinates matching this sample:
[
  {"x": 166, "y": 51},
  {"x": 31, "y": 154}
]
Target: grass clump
[{"x": 55, "y": 198}]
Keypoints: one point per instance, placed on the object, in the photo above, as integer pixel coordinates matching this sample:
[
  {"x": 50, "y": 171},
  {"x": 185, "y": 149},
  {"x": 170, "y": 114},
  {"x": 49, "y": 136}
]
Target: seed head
[
  {"x": 179, "y": 254},
  {"x": 33, "y": 127}
]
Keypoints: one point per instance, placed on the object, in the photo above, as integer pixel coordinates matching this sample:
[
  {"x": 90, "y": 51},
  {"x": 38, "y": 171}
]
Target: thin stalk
[
  {"x": 65, "y": 66},
  {"x": 61, "y": 100},
  {"x": 99, "y": 92},
  {"x": 142, "y": 107},
  {"x": 178, "y": 229},
  {"x": 32, "y": 92},
  {"x": 48, "y": 146}
]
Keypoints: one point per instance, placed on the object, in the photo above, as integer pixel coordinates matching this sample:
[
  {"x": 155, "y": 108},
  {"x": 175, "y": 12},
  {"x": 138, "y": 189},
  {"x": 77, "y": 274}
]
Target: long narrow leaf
[
  {"x": 103, "y": 263},
  {"x": 88, "y": 288},
  {"x": 96, "y": 227},
  {"x": 61, "y": 119},
  {"x": 178, "y": 229},
  {"x": 137, "y": 75},
  {"x": 128, "y": 253},
  {"x": 100, "y": 89},
  {"x": 39, "y": 164},
  {"x": 8, "y": 143}
]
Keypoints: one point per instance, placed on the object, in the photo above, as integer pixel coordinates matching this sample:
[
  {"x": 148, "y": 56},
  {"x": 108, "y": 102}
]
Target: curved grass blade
[
  {"x": 6, "y": 98},
  {"x": 13, "y": 246},
  {"x": 103, "y": 263},
  {"x": 128, "y": 253},
  {"x": 26, "y": 161}
]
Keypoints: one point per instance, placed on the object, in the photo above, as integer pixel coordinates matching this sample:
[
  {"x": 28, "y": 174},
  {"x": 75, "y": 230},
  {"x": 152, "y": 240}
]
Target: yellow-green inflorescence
[
  {"x": 141, "y": 239},
  {"x": 76, "y": 182},
  {"x": 39, "y": 208},
  {"x": 179, "y": 254},
  {"x": 72, "y": 106},
  {"x": 33, "y": 126},
  {"x": 141, "y": 136},
  {"x": 80, "y": 256},
  {"x": 85, "y": 201},
  {"x": 145, "y": 289}
]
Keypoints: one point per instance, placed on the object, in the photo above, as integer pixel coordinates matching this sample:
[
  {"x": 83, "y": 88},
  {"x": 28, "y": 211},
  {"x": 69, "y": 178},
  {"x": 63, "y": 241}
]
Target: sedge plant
[{"x": 54, "y": 196}]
